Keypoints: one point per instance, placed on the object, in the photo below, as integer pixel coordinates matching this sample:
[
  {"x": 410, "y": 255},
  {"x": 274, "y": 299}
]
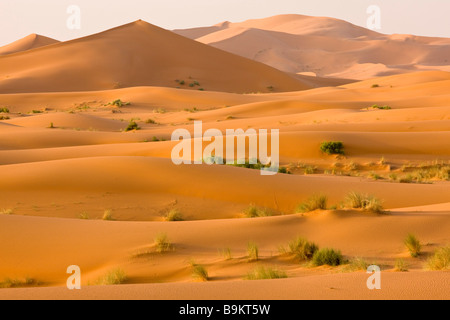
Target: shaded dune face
[
  {"x": 326, "y": 47},
  {"x": 78, "y": 188},
  {"x": 134, "y": 55}
]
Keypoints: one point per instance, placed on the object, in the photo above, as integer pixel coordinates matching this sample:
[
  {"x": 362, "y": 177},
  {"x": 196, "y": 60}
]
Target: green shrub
[
  {"x": 356, "y": 200},
  {"x": 199, "y": 272},
  {"x": 413, "y": 245},
  {"x": 114, "y": 277},
  {"x": 4, "y": 110},
  {"x": 252, "y": 251},
  {"x": 261, "y": 273},
  {"x": 226, "y": 253},
  {"x": 174, "y": 215},
  {"x": 132, "y": 126},
  {"x": 162, "y": 243},
  {"x": 327, "y": 256},
  {"x": 254, "y": 211},
  {"x": 302, "y": 248},
  {"x": 316, "y": 202},
  {"x": 440, "y": 260},
  {"x": 332, "y": 147},
  {"x": 400, "y": 265}
]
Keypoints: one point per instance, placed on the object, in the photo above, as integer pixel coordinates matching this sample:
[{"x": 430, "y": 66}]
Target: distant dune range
[
  {"x": 326, "y": 47},
  {"x": 67, "y": 161}
]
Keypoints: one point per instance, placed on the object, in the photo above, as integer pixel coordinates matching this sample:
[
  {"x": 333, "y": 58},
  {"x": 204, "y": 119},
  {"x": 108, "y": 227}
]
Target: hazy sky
[{"x": 19, "y": 18}]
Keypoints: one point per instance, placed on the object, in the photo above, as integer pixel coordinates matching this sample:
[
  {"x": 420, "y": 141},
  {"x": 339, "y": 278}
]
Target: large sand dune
[{"x": 325, "y": 46}]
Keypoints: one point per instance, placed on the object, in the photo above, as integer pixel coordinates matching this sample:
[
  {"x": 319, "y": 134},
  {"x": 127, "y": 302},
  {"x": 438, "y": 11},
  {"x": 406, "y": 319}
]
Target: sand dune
[
  {"x": 31, "y": 41},
  {"x": 79, "y": 188},
  {"x": 126, "y": 57},
  {"x": 324, "y": 46}
]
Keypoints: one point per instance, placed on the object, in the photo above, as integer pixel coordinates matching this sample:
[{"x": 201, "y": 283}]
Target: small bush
[
  {"x": 114, "y": 277},
  {"x": 440, "y": 260},
  {"x": 84, "y": 216},
  {"x": 107, "y": 215},
  {"x": 18, "y": 283},
  {"x": 252, "y": 251},
  {"x": 261, "y": 273},
  {"x": 4, "y": 110},
  {"x": 332, "y": 147},
  {"x": 413, "y": 245},
  {"x": 356, "y": 200},
  {"x": 119, "y": 103},
  {"x": 400, "y": 265},
  {"x": 253, "y": 211},
  {"x": 375, "y": 85},
  {"x": 302, "y": 248},
  {"x": 174, "y": 215},
  {"x": 132, "y": 126},
  {"x": 162, "y": 243},
  {"x": 150, "y": 121},
  {"x": 226, "y": 253},
  {"x": 327, "y": 256},
  {"x": 199, "y": 272},
  {"x": 4, "y": 118},
  {"x": 316, "y": 202},
  {"x": 7, "y": 212}
]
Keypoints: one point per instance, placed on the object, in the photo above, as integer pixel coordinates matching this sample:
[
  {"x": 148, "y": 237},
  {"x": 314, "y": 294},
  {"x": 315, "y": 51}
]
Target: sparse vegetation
[
  {"x": 327, "y": 256},
  {"x": 4, "y": 110},
  {"x": 84, "y": 216},
  {"x": 357, "y": 264},
  {"x": 4, "y": 118},
  {"x": 226, "y": 253},
  {"x": 302, "y": 249},
  {"x": 159, "y": 110},
  {"x": 162, "y": 243},
  {"x": 356, "y": 200},
  {"x": 252, "y": 251},
  {"x": 316, "y": 202},
  {"x": 440, "y": 260},
  {"x": 375, "y": 106},
  {"x": 113, "y": 277},
  {"x": 118, "y": 103},
  {"x": 174, "y": 215},
  {"x": 413, "y": 245},
  {"x": 261, "y": 273},
  {"x": 18, "y": 283},
  {"x": 132, "y": 126},
  {"x": 51, "y": 126},
  {"x": 7, "y": 212},
  {"x": 107, "y": 215},
  {"x": 254, "y": 211},
  {"x": 151, "y": 121},
  {"x": 375, "y": 85},
  {"x": 332, "y": 147},
  {"x": 400, "y": 266},
  {"x": 199, "y": 272}
]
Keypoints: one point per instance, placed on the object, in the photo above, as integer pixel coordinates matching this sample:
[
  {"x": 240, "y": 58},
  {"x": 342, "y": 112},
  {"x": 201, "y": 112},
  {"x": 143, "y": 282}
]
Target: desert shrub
[
  {"x": 4, "y": 110},
  {"x": 375, "y": 106},
  {"x": 283, "y": 170},
  {"x": 114, "y": 277},
  {"x": 332, "y": 147},
  {"x": 310, "y": 169},
  {"x": 375, "y": 85},
  {"x": 252, "y": 251},
  {"x": 327, "y": 256},
  {"x": 119, "y": 103},
  {"x": 162, "y": 243},
  {"x": 400, "y": 266},
  {"x": 150, "y": 121},
  {"x": 358, "y": 264},
  {"x": 7, "y": 212},
  {"x": 261, "y": 273},
  {"x": 107, "y": 215},
  {"x": 302, "y": 248},
  {"x": 132, "y": 126},
  {"x": 4, "y": 118},
  {"x": 84, "y": 216},
  {"x": 316, "y": 202},
  {"x": 356, "y": 200},
  {"x": 440, "y": 260},
  {"x": 18, "y": 283},
  {"x": 226, "y": 253},
  {"x": 174, "y": 215},
  {"x": 199, "y": 272},
  {"x": 254, "y": 211},
  {"x": 413, "y": 245}
]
